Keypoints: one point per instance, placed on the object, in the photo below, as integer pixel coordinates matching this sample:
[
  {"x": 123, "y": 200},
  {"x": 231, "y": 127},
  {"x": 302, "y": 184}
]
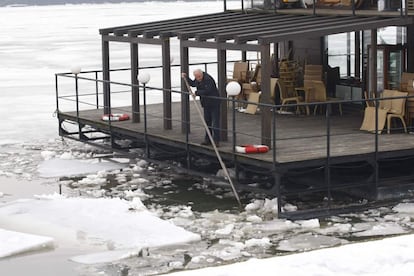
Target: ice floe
[
  {"x": 103, "y": 222},
  {"x": 13, "y": 243}
]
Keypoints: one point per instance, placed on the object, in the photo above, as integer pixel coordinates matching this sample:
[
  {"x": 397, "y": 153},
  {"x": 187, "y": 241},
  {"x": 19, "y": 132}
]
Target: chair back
[
  {"x": 368, "y": 102},
  {"x": 257, "y": 75},
  {"x": 387, "y": 104},
  {"x": 240, "y": 71},
  {"x": 398, "y": 105},
  {"x": 283, "y": 92},
  {"x": 318, "y": 93},
  {"x": 313, "y": 72}
]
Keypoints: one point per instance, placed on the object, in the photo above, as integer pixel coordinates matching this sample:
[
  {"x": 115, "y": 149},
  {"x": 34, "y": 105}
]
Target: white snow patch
[
  {"x": 47, "y": 154},
  {"x": 101, "y": 221},
  {"x": 226, "y": 230},
  {"x": 66, "y": 156},
  {"x": 278, "y": 225},
  {"x": 263, "y": 242},
  {"x": 308, "y": 241},
  {"x": 382, "y": 229},
  {"x": 340, "y": 228},
  {"x": 105, "y": 257},
  {"x": 254, "y": 219},
  {"x": 404, "y": 208},
  {"x": 13, "y": 243},
  {"x": 62, "y": 167},
  {"x": 311, "y": 223}
]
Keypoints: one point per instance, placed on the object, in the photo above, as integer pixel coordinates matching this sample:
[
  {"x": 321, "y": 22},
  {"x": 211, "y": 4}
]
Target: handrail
[{"x": 277, "y": 136}]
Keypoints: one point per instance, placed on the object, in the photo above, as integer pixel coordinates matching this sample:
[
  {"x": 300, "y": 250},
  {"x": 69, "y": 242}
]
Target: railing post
[
  {"x": 57, "y": 93},
  {"x": 328, "y": 153},
  {"x": 236, "y": 168},
  {"x": 353, "y": 7},
  {"x": 97, "y": 89},
  {"x": 147, "y": 151},
  {"x": 376, "y": 168},
  {"x": 314, "y": 7},
  {"x": 77, "y": 106},
  {"x": 274, "y": 135}
]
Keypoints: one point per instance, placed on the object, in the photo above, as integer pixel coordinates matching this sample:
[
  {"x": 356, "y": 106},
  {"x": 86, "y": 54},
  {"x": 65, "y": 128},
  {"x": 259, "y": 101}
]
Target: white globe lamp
[
  {"x": 75, "y": 70},
  {"x": 144, "y": 77},
  {"x": 233, "y": 88}
]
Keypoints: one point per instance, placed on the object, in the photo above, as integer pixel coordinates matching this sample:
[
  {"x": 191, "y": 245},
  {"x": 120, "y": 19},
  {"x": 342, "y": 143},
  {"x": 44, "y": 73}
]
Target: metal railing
[{"x": 89, "y": 99}]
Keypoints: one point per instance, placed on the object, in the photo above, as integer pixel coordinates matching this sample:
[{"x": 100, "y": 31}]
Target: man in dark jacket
[{"x": 208, "y": 92}]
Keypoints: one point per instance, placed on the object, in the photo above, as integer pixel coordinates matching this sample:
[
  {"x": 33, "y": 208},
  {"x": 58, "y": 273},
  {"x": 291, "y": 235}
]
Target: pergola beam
[{"x": 347, "y": 26}]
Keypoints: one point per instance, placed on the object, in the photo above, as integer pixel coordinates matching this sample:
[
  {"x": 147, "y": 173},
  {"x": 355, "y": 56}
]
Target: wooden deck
[{"x": 299, "y": 138}]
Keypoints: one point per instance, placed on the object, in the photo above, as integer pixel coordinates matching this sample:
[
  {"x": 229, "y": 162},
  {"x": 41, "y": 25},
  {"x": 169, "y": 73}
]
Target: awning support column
[
  {"x": 373, "y": 62},
  {"x": 185, "y": 100},
  {"x": 134, "y": 81},
  {"x": 410, "y": 48},
  {"x": 357, "y": 44},
  {"x": 106, "y": 76},
  {"x": 166, "y": 82},
  {"x": 265, "y": 96},
  {"x": 222, "y": 81}
]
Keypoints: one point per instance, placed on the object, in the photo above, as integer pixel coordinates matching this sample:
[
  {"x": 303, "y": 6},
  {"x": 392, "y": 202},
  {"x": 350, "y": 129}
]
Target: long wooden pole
[{"x": 223, "y": 166}]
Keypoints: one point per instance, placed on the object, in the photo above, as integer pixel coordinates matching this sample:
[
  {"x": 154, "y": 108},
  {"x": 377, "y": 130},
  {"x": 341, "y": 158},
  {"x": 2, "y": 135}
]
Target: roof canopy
[{"x": 235, "y": 29}]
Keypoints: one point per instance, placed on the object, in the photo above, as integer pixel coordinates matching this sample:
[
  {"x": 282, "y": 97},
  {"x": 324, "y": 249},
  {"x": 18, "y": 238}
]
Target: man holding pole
[{"x": 208, "y": 92}]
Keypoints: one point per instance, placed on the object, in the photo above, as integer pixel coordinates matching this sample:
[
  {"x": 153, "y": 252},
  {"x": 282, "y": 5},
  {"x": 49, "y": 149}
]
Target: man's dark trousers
[{"x": 212, "y": 117}]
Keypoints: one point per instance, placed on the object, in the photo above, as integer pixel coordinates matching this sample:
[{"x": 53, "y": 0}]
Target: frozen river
[{"x": 122, "y": 216}]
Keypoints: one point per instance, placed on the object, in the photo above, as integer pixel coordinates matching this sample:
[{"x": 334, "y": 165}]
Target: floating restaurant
[{"x": 337, "y": 134}]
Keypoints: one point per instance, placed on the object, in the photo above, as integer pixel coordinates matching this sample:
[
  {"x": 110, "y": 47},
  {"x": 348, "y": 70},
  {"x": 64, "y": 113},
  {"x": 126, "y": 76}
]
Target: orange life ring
[
  {"x": 252, "y": 149},
  {"x": 115, "y": 117}
]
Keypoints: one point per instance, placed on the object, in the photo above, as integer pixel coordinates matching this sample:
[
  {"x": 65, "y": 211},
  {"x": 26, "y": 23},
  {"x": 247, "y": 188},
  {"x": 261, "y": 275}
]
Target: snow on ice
[
  {"x": 13, "y": 243},
  {"x": 105, "y": 223}
]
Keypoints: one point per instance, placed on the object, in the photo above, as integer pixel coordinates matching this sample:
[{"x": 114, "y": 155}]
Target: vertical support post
[
  {"x": 410, "y": 48},
  {"x": 166, "y": 82},
  {"x": 277, "y": 178},
  {"x": 77, "y": 107},
  {"x": 225, "y": 5},
  {"x": 136, "y": 116},
  {"x": 376, "y": 165},
  {"x": 314, "y": 7},
  {"x": 185, "y": 101},
  {"x": 147, "y": 152},
  {"x": 106, "y": 76},
  {"x": 357, "y": 68},
  {"x": 222, "y": 79},
  {"x": 353, "y": 7},
  {"x": 236, "y": 167},
  {"x": 348, "y": 54},
  {"x": 57, "y": 94},
  {"x": 275, "y": 65},
  {"x": 290, "y": 50},
  {"x": 328, "y": 153},
  {"x": 96, "y": 90},
  {"x": 265, "y": 96},
  {"x": 373, "y": 62},
  {"x": 244, "y": 56},
  {"x": 274, "y": 137}
]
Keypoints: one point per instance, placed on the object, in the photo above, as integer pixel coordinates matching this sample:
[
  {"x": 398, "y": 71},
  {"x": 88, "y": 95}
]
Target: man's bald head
[{"x": 198, "y": 74}]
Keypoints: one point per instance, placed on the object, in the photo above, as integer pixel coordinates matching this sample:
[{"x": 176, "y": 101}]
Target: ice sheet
[
  {"x": 64, "y": 167},
  {"x": 13, "y": 243},
  {"x": 102, "y": 222}
]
